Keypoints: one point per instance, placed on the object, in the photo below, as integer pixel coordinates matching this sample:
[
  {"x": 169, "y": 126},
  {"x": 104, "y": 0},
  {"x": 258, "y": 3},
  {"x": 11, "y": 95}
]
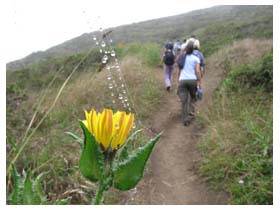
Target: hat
[
  {"x": 196, "y": 44},
  {"x": 187, "y": 42}
]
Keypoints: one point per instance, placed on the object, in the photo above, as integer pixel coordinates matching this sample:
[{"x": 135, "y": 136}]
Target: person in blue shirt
[
  {"x": 177, "y": 47},
  {"x": 189, "y": 78},
  {"x": 199, "y": 54}
]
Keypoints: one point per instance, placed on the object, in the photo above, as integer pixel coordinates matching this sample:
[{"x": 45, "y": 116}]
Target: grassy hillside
[
  {"x": 32, "y": 89},
  {"x": 237, "y": 145},
  {"x": 215, "y": 27}
]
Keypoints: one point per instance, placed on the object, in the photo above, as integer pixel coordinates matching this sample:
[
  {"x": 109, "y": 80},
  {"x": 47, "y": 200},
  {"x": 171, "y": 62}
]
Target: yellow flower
[{"x": 110, "y": 130}]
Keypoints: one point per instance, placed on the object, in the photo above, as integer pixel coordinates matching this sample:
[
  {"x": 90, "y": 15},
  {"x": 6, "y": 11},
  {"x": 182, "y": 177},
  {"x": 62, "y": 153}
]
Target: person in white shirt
[{"x": 189, "y": 78}]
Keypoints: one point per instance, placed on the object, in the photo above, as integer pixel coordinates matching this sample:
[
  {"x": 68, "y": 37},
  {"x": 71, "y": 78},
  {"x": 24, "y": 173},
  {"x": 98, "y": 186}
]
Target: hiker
[
  {"x": 169, "y": 61},
  {"x": 184, "y": 45},
  {"x": 177, "y": 48},
  {"x": 189, "y": 79},
  {"x": 198, "y": 53}
]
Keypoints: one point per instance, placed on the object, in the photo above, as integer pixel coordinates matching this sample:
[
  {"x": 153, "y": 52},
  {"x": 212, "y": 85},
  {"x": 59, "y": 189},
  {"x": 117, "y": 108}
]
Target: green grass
[
  {"x": 148, "y": 53},
  {"x": 218, "y": 35},
  {"x": 237, "y": 146}
]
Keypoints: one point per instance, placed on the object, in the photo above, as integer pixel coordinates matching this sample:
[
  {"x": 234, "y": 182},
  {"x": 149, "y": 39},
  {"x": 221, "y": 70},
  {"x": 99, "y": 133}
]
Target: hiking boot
[
  {"x": 168, "y": 89},
  {"x": 186, "y": 122}
]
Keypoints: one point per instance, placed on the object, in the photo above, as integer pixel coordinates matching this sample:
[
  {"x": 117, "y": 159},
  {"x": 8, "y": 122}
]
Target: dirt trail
[{"x": 172, "y": 178}]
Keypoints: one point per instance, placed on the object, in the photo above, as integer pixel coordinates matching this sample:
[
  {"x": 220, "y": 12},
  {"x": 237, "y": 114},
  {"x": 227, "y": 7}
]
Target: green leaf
[
  {"x": 27, "y": 190},
  {"x": 92, "y": 160},
  {"x": 17, "y": 188},
  {"x": 123, "y": 152},
  {"x": 75, "y": 137},
  {"x": 37, "y": 188},
  {"x": 128, "y": 173}
]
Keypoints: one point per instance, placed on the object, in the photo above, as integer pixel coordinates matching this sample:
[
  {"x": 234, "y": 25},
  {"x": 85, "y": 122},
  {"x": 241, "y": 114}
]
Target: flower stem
[{"x": 99, "y": 194}]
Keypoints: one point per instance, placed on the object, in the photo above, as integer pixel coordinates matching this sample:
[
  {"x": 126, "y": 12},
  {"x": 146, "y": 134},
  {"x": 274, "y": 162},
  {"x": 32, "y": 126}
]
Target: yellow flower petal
[
  {"x": 126, "y": 128},
  {"x": 109, "y": 129},
  {"x": 88, "y": 120},
  {"x": 85, "y": 123}
]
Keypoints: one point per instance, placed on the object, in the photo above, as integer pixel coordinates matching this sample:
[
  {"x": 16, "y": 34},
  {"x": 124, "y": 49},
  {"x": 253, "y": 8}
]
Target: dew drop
[
  {"x": 104, "y": 59},
  {"x": 120, "y": 97},
  {"x": 110, "y": 86},
  {"x": 111, "y": 40},
  {"x": 112, "y": 94},
  {"x": 100, "y": 51},
  {"x": 108, "y": 67},
  {"x": 94, "y": 38},
  {"x": 122, "y": 85},
  {"x": 109, "y": 77},
  {"x": 113, "y": 101},
  {"x": 97, "y": 43},
  {"x": 103, "y": 44},
  {"x": 113, "y": 53},
  {"x": 134, "y": 126}
]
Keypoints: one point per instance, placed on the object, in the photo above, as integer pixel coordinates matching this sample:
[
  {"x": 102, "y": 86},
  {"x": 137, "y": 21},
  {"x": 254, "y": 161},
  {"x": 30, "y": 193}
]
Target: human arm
[
  {"x": 198, "y": 75},
  {"x": 178, "y": 74}
]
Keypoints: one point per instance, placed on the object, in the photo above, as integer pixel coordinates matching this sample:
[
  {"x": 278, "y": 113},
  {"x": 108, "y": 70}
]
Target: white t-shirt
[{"x": 188, "y": 71}]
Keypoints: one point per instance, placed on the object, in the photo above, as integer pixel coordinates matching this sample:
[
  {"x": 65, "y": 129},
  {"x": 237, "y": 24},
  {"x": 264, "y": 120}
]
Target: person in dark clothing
[{"x": 168, "y": 58}]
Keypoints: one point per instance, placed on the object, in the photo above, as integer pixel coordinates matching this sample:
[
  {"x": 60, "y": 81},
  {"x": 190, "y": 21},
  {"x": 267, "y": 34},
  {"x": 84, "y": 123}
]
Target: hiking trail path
[{"x": 172, "y": 174}]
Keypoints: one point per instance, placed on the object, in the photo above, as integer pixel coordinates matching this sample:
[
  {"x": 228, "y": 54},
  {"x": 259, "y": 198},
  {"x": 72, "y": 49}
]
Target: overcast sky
[{"x": 34, "y": 25}]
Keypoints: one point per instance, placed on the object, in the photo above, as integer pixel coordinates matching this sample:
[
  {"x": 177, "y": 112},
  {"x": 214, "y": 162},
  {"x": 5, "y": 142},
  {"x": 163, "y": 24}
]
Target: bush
[{"x": 259, "y": 74}]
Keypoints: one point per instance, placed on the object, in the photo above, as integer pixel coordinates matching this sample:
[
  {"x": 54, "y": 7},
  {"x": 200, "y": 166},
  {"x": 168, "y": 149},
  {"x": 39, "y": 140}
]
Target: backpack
[
  {"x": 168, "y": 58},
  {"x": 181, "y": 61}
]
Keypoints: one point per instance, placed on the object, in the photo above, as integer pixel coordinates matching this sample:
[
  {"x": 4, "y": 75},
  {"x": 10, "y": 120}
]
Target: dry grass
[{"x": 240, "y": 52}]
